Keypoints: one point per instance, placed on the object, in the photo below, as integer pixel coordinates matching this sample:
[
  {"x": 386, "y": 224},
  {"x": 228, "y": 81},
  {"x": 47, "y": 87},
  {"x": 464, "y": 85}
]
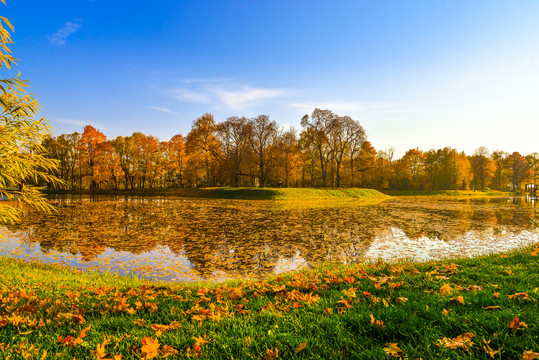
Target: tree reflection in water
[{"x": 212, "y": 239}]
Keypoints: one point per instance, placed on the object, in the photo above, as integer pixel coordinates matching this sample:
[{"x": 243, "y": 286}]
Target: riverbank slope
[
  {"x": 245, "y": 193},
  {"x": 478, "y": 308}
]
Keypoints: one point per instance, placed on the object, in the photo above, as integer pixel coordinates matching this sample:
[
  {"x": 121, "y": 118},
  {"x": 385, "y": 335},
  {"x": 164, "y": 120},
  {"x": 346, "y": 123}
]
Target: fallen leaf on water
[
  {"x": 461, "y": 341},
  {"x": 393, "y": 350},
  {"x": 401, "y": 300}
]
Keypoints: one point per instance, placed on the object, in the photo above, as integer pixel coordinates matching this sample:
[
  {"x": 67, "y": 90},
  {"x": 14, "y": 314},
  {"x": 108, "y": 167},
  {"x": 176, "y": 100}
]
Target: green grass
[
  {"x": 248, "y": 193},
  {"x": 39, "y": 303},
  {"x": 450, "y": 193}
]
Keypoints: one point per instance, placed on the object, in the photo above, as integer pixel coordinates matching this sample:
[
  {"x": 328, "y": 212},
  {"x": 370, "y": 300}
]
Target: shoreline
[{"x": 354, "y": 310}]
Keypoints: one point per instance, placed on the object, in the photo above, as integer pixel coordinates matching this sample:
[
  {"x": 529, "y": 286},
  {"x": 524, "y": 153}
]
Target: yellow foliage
[{"x": 23, "y": 161}]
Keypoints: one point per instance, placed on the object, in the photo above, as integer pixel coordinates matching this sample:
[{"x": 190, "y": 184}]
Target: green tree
[{"x": 23, "y": 160}]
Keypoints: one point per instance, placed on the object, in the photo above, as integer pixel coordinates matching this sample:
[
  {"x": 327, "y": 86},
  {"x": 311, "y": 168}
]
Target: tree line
[{"x": 329, "y": 151}]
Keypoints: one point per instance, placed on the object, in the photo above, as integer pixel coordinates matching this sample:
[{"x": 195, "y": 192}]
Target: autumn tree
[
  {"x": 356, "y": 142},
  {"x": 146, "y": 158},
  {"x": 203, "y": 147},
  {"x": 90, "y": 156},
  {"x": 500, "y": 174},
  {"x": 344, "y": 133},
  {"x": 519, "y": 169},
  {"x": 384, "y": 168},
  {"x": 109, "y": 169},
  {"x": 366, "y": 163},
  {"x": 234, "y": 136},
  {"x": 533, "y": 165},
  {"x": 262, "y": 138},
  {"x": 410, "y": 170},
  {"x": 483, "y": 168},
  {"x": 317, "y": 129},
  {"x": 23, "y": 160},
  {"x": 124, "y": 149},
  {"x": 447, "y": 169},
  {"x": 176, "y": 155},
  {"x": 289, "y": 157}
]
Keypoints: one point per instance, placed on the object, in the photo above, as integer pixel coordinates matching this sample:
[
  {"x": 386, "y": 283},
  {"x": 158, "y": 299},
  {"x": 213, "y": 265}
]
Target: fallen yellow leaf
[{"x": 393, "y": 349}]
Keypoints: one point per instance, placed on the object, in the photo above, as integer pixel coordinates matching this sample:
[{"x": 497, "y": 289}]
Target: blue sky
[{"x": 425, "y": 74}]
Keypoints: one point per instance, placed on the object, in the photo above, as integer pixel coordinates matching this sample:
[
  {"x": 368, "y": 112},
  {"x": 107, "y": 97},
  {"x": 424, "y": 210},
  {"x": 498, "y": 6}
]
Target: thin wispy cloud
[
  {"x": 190, "y": 96},
  {"x": 162, "y": 109},
  {"x": 233, "y": 99},
  {"x": 60, "y": 36},
  {"x": 241, "y": 99}
]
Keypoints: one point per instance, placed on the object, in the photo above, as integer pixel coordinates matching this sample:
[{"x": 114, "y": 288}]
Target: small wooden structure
[{"x": 532, "y": 189}]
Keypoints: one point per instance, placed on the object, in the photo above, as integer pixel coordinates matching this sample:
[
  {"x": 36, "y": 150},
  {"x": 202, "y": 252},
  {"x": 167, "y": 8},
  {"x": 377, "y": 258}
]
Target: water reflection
[{"x": 181, "y": 240}]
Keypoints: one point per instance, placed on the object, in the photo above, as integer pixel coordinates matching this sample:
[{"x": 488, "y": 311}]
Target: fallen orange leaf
[
  {"x": 272, "y": 354},
  {"x": 461, "y": 341},
  {"x": 520, "y": 295},
  {"x": 201, "y": 340},
  {"x": 300, "y": 347},
  {"x": 100, "y": 351},
  {"x": 351, "y": 293},
  {"x": 516, "y": 324},
  {"x": 378, "y": 323},
  {"x": 488, "y": 350},
  {"x": 530, "y": 355},
  {"x": 167, "y": 351},
  {"x": 446, "y": 289},
  {"x": 149, "y": 347}
]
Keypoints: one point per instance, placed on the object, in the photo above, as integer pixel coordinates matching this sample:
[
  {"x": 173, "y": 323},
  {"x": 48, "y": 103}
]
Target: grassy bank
[
  {"x": 246, "y": 193},
  {"x": 478, "y": 308},
  {"x": 450, "y": 193}
]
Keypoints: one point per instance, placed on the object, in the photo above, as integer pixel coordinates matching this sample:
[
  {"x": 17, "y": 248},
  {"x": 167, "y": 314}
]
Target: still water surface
[{"x": 209, "y": 239}]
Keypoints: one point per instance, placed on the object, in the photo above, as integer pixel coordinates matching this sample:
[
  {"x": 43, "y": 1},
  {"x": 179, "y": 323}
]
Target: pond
[{"x": 211, "y": 239}]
